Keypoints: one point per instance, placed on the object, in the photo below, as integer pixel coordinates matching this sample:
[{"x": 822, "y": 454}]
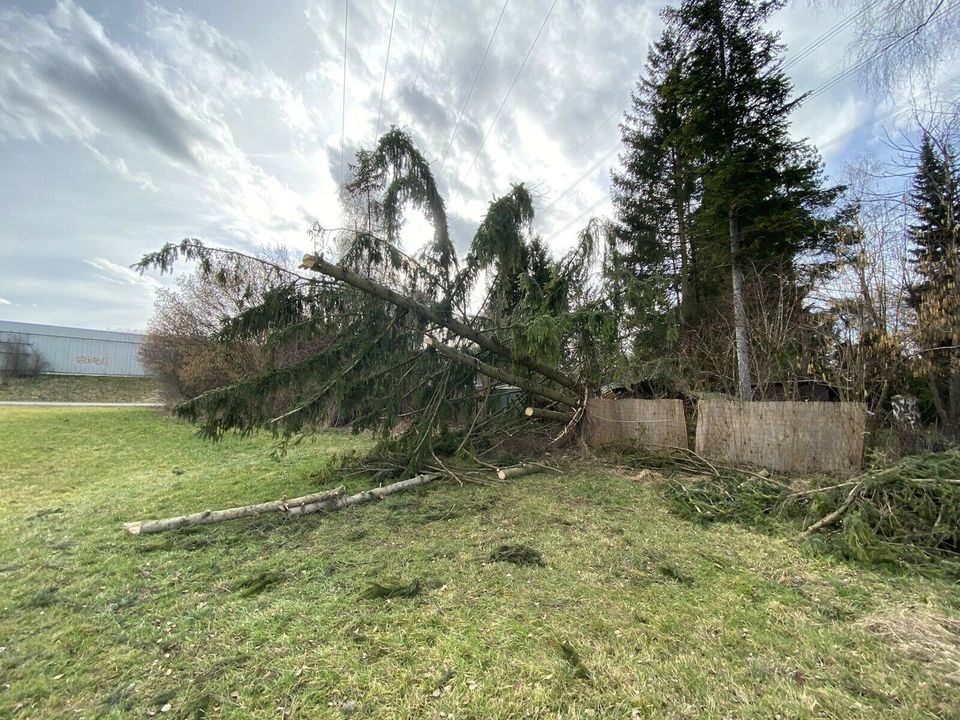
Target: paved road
[{"x": 44, "y": 403}]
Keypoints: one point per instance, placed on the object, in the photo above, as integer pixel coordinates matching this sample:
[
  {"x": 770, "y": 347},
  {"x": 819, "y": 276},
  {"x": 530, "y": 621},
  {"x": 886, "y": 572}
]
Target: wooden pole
[
  {"x": 496, "y": 373},
  {"x": 544, "y": 414},
  {"x": 318, "y": 264}
]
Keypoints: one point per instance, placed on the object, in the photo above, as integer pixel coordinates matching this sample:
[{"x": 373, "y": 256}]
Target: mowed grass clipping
[{"x": 630, "y": 612}]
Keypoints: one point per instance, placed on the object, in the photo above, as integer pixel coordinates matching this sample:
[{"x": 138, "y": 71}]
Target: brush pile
[{"x": 907, "y": 511}]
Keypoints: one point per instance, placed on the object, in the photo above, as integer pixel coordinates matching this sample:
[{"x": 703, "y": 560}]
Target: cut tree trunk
[
  {"x": 545, "y": 414},
  {"x": 739, "y": 313},
  {"x": 497, "y": 374},
  {"x": 297, "y": 506},
  {"x": 334, "y": 501},
  {"x": 518, "y": 471},
  {"x": 318, "y": 264}
]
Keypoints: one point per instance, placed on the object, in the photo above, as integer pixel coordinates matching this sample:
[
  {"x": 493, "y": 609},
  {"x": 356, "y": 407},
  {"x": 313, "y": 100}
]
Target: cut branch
[
  {"x": 496, "y": 373},
  {"x": 830, "y": 519},
  {"x": 545, "y": 414},
  {"x": 298, "y": 506},
  {"x": 318, "y": 264}
]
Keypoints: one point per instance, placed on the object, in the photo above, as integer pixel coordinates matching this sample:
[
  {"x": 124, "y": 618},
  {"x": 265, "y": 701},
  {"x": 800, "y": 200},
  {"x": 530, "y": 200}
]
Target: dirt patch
[{"x": 518, "y": 555}]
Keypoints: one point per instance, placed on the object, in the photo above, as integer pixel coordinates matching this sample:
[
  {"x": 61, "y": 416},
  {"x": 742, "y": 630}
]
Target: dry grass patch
[
  {"x": 80, "y": 388},
  {"x": 922, "y": 634}
]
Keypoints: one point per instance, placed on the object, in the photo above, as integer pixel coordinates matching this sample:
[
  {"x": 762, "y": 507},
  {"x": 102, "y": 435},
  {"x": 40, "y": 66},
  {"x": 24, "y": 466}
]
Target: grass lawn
[
  {"x": 634, "y": 614},
  {"x": 79, "y": 388}
]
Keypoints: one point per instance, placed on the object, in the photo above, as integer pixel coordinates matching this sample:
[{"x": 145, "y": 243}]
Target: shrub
[
  {"x": 19, "y": 359},
  {"x": 182, "y": 348}
]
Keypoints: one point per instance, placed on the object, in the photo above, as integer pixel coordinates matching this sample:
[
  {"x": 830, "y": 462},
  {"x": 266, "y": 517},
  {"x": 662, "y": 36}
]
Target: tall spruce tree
[
  {"x": 713, "y": 140},
  {"x": 935, "y": 296},
  {"x": 653, "y": 193}
]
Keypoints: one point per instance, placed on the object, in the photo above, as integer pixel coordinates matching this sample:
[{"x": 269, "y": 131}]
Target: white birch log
[
  {"x": 297, "y": 506},
  {"x": 327, "y": 501}
]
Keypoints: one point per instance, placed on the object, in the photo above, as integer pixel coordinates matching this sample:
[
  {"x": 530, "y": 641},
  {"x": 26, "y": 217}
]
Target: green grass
[
  {"x": 634, "y": 613},
  {"x": 79, "y": 388}
]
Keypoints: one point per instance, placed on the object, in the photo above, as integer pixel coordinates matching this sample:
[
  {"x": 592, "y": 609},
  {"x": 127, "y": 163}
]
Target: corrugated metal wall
[{"x": 75, "y": 351}]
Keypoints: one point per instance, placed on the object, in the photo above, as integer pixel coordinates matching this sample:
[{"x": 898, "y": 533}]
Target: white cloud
[
  {"x": 62, "y": 75},
  {"x": 211, "y": 141},
  {"x": 4, "y": 301},
  {"x": 120, "y": 274}
]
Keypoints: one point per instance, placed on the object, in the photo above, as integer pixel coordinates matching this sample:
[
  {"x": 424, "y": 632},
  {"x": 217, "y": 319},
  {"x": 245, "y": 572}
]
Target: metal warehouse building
[{"x": 76, "y": 351}]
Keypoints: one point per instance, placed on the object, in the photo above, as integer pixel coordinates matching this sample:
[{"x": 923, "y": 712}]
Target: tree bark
[
  {"x": 318, "y": 264},
  {"x": 739, "y": 313},
  {"x": 680, "y": 210},
  {"x": 497, "y": 374},
  {"x": 332, "y": 503},
  {"x": 297, "y": 506},
  {"x": 545, "y": 414},
  {"x": 946, "y": 421},
  {"x": 518, "y": 471}
]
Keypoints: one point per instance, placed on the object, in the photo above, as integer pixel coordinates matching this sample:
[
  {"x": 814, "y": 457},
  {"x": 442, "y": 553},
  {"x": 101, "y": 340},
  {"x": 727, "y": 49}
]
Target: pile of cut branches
[
  {"x": 906, "y": 511},
  {"x": 902, "y": 512}
]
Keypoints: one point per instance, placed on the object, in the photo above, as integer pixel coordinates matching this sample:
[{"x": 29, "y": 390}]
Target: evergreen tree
[
  {"x": 714, "y": 157},
  {"x": 653, "y": 194},
  {"x": 935, "y": 200}
]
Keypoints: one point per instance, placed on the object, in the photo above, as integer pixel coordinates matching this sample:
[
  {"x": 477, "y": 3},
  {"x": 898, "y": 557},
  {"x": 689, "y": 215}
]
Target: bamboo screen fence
[
  {"x": 647, "y": 423},
  {"x": 785, "y": 437}
]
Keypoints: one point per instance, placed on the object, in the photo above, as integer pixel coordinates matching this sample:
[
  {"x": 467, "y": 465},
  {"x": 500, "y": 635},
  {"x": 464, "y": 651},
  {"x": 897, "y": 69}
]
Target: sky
[{"x": 127, "y": 124}]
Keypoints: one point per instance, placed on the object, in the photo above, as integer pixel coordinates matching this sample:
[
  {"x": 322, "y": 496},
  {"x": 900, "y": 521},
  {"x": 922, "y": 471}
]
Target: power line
[
  {"x": 604, "y": 124},
  {"x": 891, "y": 115},
  {"x": 426, "y": 32},
  {"x": 585, "y": 175},
  {"x": 507, "y": 96},
  {"x": 806, "y": 51},
  {"x": 879, "y": 53},
  {"x": 343, "y": 108},
  {"x": 383, "y": 86},
  {"x": 813, "y": 93},
  {"x": 579, "y": 217},
  {"x": 828, "y": 35},
  {"x": 474, "y": 85}
]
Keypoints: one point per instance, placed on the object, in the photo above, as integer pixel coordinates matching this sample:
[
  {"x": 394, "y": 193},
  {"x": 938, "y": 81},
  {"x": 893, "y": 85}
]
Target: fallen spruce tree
[{"x": 389, "y": 338}]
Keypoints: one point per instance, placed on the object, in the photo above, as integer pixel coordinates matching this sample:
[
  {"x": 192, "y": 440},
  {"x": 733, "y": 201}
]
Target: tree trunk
[
  {"x": 680, "y": 210},
  {"x": 943, "y": 410},
  {"x": 434, "y": 315},
  {"x": 297, "y": 506},
  {"x": 739, "y": 313},
  {"x": 545, "y": 414},
  {"x": 332, "y": 503},
  {"x": 517, "y": 471},
  {"x": 497, "y": 374}
]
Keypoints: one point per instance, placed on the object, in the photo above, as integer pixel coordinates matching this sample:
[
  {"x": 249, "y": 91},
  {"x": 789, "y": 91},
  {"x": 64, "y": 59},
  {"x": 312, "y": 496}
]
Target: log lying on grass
[
  {"x": 518, "y": 471},
  {"x": 327, "y": 501},
  {"x": 297, "y": 506},
  {"x": 545, "y": 414},
  {"x": 496, "y": 373}
]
